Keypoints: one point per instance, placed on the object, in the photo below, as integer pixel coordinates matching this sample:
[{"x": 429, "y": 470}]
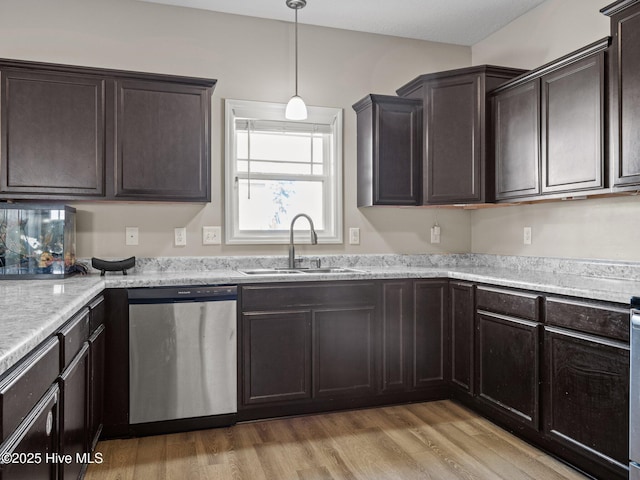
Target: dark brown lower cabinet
[
  {"x": 329, "y": 345},
  {"x": 74, "y": 414},
  {"x": 34, "y": 443},
  {"x": 430, "y": 333},
  {"x": 396, "y": 317},
  {"x": 343, "y": 352},
  {"x": 276, "y": 356},
  {"x": 507, "y": 372},
  {"x": 97, "y": 345},
  {"x": 461, "y": 301},
  {"x": 586, "y": 396}
]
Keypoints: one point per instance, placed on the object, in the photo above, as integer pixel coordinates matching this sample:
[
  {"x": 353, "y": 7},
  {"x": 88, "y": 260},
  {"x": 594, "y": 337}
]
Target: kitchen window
[{"x": 277, "y": 168}]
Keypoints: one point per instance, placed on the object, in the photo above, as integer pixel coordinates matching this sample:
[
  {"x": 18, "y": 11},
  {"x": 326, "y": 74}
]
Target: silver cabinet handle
[{"x": 49, "y": 427}]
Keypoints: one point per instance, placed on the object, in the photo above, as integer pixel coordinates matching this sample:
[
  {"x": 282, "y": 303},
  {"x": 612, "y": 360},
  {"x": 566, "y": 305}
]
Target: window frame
[{"x": 333, "y": 203}]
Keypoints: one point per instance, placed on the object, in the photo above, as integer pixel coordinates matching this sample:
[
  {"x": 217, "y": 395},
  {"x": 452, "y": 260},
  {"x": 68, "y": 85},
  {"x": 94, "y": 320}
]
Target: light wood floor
[{"x": 436, "y": 440}]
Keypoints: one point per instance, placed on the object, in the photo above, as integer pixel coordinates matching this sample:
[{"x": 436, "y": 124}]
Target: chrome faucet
[{"x": 292, "y": 250}]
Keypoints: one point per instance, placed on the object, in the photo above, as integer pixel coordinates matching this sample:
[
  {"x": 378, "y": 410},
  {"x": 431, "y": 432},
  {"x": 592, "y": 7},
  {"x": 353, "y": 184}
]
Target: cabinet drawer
[
  {"x": 603, "y": 319},
  {"x": 21, "y": 389},
  {"x": 507, "y": 302},
  {"x": 98, "y": 311},
  {"x": 268, "y": 297},
  {"x": 72, "y": 336}
]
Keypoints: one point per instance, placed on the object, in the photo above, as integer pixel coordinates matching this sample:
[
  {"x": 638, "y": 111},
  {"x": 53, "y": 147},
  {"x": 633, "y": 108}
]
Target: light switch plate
[
  {"x": 211, "y": 235},
  {"x": 180, "y": 237},
  {"x": 131, "y": 236}
]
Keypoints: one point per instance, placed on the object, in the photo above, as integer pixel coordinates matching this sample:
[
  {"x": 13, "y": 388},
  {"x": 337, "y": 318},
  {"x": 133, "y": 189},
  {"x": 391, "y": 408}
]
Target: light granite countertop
[{"x": 32, "y": 310}]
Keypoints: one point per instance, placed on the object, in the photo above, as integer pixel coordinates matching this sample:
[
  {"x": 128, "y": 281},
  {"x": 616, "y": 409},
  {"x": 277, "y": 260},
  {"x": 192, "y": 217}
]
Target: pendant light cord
[{"x": 296, "y": 51}]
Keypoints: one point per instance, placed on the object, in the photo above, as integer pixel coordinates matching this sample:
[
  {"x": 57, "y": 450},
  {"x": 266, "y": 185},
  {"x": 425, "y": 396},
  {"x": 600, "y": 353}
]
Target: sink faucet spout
[{"x": 292, "y": 250}]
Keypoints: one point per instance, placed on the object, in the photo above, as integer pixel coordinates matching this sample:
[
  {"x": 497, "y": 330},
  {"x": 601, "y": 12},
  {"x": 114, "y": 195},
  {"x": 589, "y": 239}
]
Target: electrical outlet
[
  {"x": 180, "y": 237},
  {"x": 354, "y": 236},
  {"x": 435, "y": 234},
  {"x": 211, "y": 235},
  {"x": 131, "y": 235},
  {"x": 527, "y": 236}
]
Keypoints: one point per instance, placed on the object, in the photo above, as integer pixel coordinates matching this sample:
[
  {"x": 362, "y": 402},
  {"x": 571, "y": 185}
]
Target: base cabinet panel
[
  {"x": 586, "y": 400},
  {"x": 430, "y": 330},
  {"x": 74, "y": 414},
  {"x": 396, "y": 316},
  {"x": 343, "y": 352},
  {"x": 97, "y": 353},
  {"x": 277, "y": 356},
  {"x": 462, "y": 314},
  {"x": 507, "y": 366}
]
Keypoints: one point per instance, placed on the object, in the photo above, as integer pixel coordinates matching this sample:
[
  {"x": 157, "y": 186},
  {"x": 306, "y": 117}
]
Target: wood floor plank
[
  {"x": 427, "y": 441},
  {"x": 149, "y": 449}
]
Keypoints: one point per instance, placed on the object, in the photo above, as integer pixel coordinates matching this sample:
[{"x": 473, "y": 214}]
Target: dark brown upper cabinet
[
  {"x": 624, "y": 100},
  {"x": 162, "y": 141},
  {"x": 573, "y": 126},
  {"x": 455, "y": 119},
  {"x": 516, "y": 127},
  {"x": 389, "y": 150},
  {"x": 77, "y": 133},
  {"x": 548, "y": 129},
  {"x": 53, "y": 134}
]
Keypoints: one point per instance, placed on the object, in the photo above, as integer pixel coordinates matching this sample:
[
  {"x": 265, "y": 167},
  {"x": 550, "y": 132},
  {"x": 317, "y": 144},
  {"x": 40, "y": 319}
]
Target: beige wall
[
  {"x": 252, "y": 59},
  {"x": 594, "y": 228}
]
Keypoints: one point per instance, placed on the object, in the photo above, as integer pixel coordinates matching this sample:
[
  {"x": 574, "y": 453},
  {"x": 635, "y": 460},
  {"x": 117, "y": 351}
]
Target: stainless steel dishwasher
[{"x": 182, "y": 358}]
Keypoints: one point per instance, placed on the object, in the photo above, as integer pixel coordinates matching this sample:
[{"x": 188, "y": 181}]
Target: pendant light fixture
[{"x": 296, "y": 109}]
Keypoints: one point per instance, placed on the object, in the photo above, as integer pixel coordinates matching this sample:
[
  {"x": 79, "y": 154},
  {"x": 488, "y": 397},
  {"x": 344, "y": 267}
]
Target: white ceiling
[{"x": 462, "y": 22}]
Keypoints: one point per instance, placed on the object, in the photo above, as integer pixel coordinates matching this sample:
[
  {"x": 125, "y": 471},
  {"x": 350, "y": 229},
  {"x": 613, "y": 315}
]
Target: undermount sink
[
  {"x": 297, "y": 271},
  {"x": 270, "y": 271},
  {"x": 330, "y": 270}
]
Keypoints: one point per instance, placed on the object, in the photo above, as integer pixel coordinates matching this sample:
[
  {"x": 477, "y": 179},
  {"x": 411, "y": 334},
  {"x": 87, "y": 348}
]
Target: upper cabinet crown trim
[
  {"x": 105, "y": 72},
  {"x": 494, "y": 70},
  {"x": 618, "y": 6},
  {"x": 572, "y": 57}
]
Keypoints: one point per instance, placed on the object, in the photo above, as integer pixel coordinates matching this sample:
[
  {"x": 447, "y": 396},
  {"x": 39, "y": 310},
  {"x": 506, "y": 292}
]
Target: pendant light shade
[{"x": 296, "y": 108}]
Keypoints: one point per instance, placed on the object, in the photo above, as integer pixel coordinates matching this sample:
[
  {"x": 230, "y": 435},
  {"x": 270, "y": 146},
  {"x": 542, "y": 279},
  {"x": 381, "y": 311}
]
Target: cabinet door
[
  {"x": 74, "y": 418},
  {"x": 454, "y": 144},
  {"x": 516, "y": 123},
  {"x": 624, "y": 85},
  {"x": 96, "y": 384},
  {"x": 508, "y": 354},
  {"x": 52, "y": 128},
  {"x": 34, "y": 440},
  {"x": 461, "y": 297},
  {"x": 343, "y": 352},
  {"x": 430, "y": 365},
  {"x": 276, "y": 358},
  {"x": 397, "y": 308},
  {"x": 586, "y": 401},
  {"x": 162, "y": 141},
  {"x": 573, "y": 126},
  {"x": 389, "y": 150}
]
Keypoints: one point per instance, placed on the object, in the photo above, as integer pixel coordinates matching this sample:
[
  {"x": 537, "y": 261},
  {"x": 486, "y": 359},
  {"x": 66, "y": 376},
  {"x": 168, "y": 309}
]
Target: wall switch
[
  {"x": 131, "y": 235},
  {"x": 354, "y": 236},
  {"x": 435, "y": 234},
  {"x": 527, "y": 236},
  {"x": 180, "y": 237},
  {"x": 211, "y": 235}
]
